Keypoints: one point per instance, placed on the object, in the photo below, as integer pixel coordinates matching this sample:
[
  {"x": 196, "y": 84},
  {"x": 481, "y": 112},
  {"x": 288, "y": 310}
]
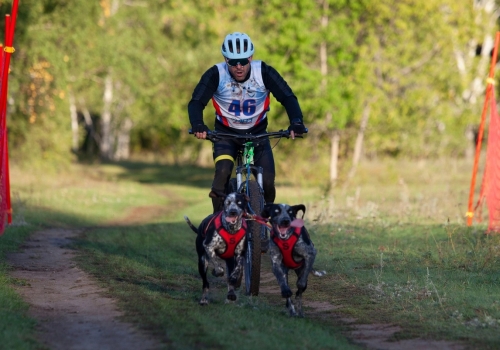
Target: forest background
[{"x": 110, "y": 80}]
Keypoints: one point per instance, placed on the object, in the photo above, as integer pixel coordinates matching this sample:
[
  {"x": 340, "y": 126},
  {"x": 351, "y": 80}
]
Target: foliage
[{"x": 400, "y": 58}]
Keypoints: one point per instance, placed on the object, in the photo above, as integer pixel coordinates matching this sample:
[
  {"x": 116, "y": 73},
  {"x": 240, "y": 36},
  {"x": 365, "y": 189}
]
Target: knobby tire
[
  {"x": 253, "y": 250},
  {"x": 257, "y": 204}
]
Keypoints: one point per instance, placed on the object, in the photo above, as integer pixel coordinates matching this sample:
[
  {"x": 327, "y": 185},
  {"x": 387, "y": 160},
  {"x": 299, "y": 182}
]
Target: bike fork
[{"x": 239, "y": 175}]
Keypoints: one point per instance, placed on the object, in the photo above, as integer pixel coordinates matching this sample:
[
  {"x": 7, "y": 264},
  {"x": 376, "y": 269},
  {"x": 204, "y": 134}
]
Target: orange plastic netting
[
  {"x": 490, "y": 187},
  {"x": 491, "y": 181}
]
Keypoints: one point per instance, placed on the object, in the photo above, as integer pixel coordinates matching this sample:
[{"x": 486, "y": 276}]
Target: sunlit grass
[{"x": 393, "y": 240}]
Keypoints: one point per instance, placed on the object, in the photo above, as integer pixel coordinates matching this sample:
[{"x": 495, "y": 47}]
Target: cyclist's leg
[
  {"x": 265, "y": 159},
  {"x": 224, "y": 153}
]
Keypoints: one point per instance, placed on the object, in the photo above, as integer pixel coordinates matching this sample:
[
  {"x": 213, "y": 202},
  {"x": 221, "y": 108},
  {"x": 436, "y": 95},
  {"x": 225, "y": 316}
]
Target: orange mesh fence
[
  {"x": 492, "y": 170},
  {"x": 490, "y": 187}
]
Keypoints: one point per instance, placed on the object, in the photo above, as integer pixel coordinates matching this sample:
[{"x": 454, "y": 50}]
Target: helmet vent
[{"x": 237, "y": 45}]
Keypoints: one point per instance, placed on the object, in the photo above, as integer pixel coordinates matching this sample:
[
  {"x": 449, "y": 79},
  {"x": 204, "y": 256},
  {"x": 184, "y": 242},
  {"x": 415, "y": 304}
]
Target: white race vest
[{"x": 241, "y": 105}]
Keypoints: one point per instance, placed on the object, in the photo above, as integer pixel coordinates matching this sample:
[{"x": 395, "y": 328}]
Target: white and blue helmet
[{"x": 237, "y": 45}]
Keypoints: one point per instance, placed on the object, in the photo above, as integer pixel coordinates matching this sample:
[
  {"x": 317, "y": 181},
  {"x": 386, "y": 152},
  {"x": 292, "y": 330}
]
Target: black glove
[
  {"x": 298, "y": 128},
  {"x": 200, "y": 128}
]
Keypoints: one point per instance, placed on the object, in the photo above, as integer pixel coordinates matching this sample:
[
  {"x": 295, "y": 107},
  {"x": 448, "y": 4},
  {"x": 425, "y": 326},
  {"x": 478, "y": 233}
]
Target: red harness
[
  {"x": 232, "y": 240},
  {"x": 286, "y": 247}
]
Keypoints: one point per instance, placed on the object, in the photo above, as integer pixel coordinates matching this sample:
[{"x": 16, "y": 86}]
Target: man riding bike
[{"x": 240, "y": 90}]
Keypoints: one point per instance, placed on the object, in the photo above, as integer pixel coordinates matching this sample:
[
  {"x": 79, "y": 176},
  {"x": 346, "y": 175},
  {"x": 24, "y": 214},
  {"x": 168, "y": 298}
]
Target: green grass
[
  {"x": 16, "y": 329},
  {"x": 394, "y": 243},
  {"x": 152, "y": 269},
  {"x": 430, "y": 282}
]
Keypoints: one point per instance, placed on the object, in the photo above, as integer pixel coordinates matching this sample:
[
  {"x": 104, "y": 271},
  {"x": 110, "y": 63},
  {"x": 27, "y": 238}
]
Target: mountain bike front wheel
[{"x": 252, "y": 262}]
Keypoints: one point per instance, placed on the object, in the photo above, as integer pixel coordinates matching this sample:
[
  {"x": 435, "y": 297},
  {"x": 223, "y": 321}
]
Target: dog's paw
[
  {"x": 300, "y": 310},
  {"x": 233, "y": 280},
  {"x": 218, "y": 272},
  {"x": 204, "y": 301},
  {"x": 231, "y": 295},
  {"x": 318, "y": 273},
  {"x": 286, "y": 292}
]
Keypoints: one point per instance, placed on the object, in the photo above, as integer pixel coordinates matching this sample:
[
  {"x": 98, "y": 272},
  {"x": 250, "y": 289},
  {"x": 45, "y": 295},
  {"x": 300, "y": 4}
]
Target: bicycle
[{"x": 248, "y": 180}]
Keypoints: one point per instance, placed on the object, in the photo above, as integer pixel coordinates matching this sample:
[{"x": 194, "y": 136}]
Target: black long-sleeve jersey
[{"x": 273, "y": 81}]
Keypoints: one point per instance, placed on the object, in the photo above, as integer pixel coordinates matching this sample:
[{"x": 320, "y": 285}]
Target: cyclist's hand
[
  {"x": 200, "y": 131},
  {"x": 297, "y": 128}
]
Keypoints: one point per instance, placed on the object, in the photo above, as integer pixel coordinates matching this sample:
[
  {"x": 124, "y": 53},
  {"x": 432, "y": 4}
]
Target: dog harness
[
  {"x": 232, "y": 240},
  {"x": 286, "y": 247}
]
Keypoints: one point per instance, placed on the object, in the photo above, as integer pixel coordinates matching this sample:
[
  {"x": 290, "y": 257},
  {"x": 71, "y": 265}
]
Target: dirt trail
[
  {"x": 372, "y": 336},
  {"x": 72, "y": 310}
]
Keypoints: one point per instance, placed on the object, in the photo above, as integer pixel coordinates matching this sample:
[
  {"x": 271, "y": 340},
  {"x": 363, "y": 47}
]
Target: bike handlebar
[{"x": 218, "y": 135}]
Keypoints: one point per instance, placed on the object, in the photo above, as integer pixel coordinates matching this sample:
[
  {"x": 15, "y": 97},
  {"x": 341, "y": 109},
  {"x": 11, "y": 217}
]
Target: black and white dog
[
  {"x": 290, "y": 248},
  {"x": 222, "y": 234}
]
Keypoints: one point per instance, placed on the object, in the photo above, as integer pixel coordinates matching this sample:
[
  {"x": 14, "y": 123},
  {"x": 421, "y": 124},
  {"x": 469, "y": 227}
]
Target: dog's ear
[
  {"x": 246, "y": 197},
  {"x": 266, "y": 212},
  {"x": 217, "y": 194},
  {"x": 242, "y": 196},
  {"x": 297, "y": 208}
]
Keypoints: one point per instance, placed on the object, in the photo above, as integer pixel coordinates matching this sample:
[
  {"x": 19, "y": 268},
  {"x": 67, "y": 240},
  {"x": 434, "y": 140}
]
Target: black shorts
[{"x": 263, "y": 157}]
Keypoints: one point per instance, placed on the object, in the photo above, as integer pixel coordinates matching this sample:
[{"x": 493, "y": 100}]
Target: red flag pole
[
  {"x": 4, "y": 159},
  {"x": 15, "y": 6},
  {"x": 4, "y": 206},
  {"x": 5, "y": 163},
  {"x": 489, "y": 90}
]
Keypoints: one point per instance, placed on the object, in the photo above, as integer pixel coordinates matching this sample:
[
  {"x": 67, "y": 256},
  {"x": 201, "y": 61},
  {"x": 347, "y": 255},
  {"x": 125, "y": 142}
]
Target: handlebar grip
[{"x": 190, "y": 132}]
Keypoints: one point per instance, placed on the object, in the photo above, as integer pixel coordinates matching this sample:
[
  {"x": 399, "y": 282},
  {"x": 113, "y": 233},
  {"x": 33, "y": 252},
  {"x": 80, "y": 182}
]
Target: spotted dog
[
  {"x": 290, "y": 248},
  {"x": 223, "y": 235}
]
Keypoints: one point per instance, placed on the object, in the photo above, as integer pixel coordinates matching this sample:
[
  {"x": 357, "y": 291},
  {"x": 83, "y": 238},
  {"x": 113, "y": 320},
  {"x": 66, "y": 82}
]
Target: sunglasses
[{"x": 235, "y": 62}]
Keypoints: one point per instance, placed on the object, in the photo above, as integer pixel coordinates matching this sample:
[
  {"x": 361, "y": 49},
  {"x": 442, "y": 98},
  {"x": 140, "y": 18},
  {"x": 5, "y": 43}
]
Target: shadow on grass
[
  {"x": 154, "y": 173},
  {"x": 187, "y": 175},
  {"x": 153, "y": 267}
]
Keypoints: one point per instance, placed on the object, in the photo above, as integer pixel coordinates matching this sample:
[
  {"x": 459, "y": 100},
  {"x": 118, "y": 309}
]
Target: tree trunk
[
  {"x": 334, "y": 155},
  {"x": 105, "y": 144},
  {"x": 89, "y": 127},
  {"x": 335, "y": 135},
  {"x": 358, "y": 147},
  {"x": 74, "y": 122},
  {"x": 115, "y": 5},
  {"x": 123, "y": 141},
  {"x": 471, "y": 136},
  {"x": 323, "y": 55},
  {"x": 486, "y": 17}
]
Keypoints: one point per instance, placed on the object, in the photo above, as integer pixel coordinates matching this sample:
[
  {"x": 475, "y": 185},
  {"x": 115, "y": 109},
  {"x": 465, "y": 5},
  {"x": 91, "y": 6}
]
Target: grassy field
[{"x": 393, "y": 241}]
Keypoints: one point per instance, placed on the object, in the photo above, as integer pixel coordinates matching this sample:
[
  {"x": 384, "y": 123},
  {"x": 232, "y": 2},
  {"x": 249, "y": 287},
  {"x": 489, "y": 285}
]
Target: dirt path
[
  {"x": 72, "y": 310},
  {"x": 74, "y": 313},
  {"x": 372, "y": 336}
]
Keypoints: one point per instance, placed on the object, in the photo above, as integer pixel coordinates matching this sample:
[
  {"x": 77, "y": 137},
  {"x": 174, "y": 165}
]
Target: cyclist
[{"x": 239, "y": 88}]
